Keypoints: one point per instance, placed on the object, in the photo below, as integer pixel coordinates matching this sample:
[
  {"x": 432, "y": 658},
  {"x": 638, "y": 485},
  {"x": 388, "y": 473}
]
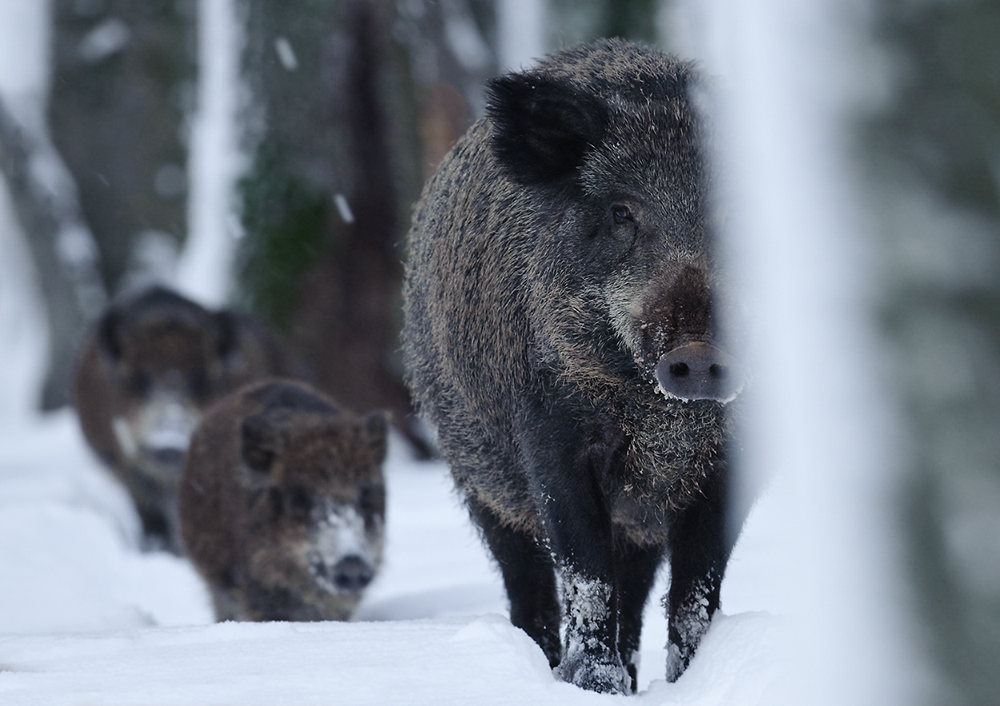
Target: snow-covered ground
[{"x": 85, "y": 618}]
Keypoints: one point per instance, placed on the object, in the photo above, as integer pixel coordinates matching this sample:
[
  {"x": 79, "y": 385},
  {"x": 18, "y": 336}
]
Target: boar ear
[
  {"x": 258, "y": 444},
  {"x": 543, "y": 128}
]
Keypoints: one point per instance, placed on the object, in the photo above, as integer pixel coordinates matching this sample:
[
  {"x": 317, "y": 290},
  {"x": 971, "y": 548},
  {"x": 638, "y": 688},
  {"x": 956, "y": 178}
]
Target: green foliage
[
  {"x": 947, "y": 118},
  {"x": 935, "y": 149},
  {"x": 585, "y": 20},
  {"x": 289, "y": 226},
  {"x": 630, "y": 19}
]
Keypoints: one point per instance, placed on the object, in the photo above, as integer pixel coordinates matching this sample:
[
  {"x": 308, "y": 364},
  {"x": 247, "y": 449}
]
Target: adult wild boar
[
  {"x": 562, "y": 333},
  {"x": 151, "y": 365},
  {"x": 282, "y": 503}
]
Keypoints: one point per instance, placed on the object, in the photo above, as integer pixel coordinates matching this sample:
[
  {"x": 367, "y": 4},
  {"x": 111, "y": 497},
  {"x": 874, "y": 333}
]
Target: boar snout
[
  {"x": 165, "y": 457},
  {"x": 352, "y": 573},
  {"x": 698, "y": 371}
]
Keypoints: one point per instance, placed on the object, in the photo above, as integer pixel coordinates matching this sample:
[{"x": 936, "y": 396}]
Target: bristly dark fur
[
  {"x": 292, "y": 398},
  {"x": 560, "y": 253}
]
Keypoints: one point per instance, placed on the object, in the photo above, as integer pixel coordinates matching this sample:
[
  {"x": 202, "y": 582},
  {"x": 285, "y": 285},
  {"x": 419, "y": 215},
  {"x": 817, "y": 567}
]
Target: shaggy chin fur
[{"x": 559, "y": 253}]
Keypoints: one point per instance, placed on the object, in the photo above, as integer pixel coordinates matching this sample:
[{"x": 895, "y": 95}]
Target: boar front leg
[
  {"x": 700, "y": 543},
  {"x": 578, "y": 527},
  {"x": 635, "y": 572},
  {"x": 529, "y": 577}
]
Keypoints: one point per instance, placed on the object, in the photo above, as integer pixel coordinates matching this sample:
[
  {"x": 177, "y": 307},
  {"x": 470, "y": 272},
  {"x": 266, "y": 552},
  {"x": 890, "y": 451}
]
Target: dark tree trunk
[
  {"x": 347, "y": 315},
  {"x": 933, "y": 151},
  {"x": 353, "y": 101},
  {"x": 122, "y": 90}
]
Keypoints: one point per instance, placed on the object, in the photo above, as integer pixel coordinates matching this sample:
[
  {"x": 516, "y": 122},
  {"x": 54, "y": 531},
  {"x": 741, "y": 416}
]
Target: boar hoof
[
  {"x": 605, "y": 676},
  {"x": 677, "y": 662}
]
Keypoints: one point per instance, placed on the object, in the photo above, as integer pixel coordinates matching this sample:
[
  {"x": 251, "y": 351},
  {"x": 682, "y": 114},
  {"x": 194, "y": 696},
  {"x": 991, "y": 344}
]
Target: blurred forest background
[
  {"x": 318, "y": 120},
  {"x": 333, "y": 113}
]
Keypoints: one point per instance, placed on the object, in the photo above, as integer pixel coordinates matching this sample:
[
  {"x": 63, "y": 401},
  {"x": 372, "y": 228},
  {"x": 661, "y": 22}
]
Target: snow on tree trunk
[
  {"x": 215, "y": 160},
  {"x": 43, "y": 207},
  {"x": 23, "y": 330},
  {"x": 44, "y": 198}
]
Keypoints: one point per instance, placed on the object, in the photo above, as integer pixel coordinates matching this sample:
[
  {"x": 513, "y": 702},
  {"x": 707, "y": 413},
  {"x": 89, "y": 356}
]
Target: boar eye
[
  {"x": 198, "y": 384},
  {"x": 621, "y": 214},
  {"x": 257, "y": 458},
  {"x": 299, "y": 500},
  {"x": 139, "y": 383}
]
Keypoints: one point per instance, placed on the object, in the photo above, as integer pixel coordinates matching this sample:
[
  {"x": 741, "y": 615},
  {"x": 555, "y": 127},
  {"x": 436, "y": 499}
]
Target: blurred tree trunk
[
  {"x": 61, "y": 245},
  {"x": 122, "y": 90},
  {"x": 934, "y": 153},
  {"x": 350, "y": 99},
  {"x": 116, "y": 160}
]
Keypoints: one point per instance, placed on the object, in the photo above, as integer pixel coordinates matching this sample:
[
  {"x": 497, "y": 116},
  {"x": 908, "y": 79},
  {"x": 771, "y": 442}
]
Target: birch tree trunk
[{"x": 62, "y": 247}]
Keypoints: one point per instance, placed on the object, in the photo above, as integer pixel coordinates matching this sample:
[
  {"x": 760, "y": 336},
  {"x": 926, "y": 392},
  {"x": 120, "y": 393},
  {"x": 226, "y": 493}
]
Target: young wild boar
[
  {"x": 151, "y": 365},
  {"x": 282, "y": 503},
  {"x": 562, "y": 333}
]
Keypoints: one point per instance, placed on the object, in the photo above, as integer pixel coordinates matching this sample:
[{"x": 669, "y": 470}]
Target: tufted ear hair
[
  {"x": 543, "y": 128},
  {"x": 259, "y": 446}
]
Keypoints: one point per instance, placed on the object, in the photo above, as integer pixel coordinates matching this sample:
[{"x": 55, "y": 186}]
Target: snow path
[
  {"x": 480, "y": 660},
  {"x": 87, "y": 619}
]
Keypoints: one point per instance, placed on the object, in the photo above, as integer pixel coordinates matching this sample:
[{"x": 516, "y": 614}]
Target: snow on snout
[
  {"x": 167, "y": 424},
  {"x": 339, "y": 535}
]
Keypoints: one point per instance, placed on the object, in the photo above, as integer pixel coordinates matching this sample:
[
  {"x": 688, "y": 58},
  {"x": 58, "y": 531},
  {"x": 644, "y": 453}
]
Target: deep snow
[{"x": 88, "y": 619}]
